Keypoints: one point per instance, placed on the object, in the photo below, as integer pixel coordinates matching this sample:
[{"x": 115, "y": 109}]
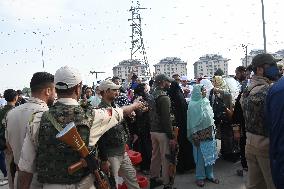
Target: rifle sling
[{"x": 53, "y": 121}]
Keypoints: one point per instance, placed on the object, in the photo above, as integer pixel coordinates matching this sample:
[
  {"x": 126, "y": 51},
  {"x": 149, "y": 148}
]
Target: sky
[{"x": 93, "y": 35}]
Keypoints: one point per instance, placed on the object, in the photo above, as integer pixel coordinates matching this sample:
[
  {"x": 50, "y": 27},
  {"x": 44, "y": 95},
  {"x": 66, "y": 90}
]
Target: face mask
[{"x": 271, "y": 73}]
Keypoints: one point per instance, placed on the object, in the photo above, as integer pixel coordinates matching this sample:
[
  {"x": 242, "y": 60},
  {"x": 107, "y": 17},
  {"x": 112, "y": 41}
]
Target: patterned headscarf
[{"x": 219, "y": 82}]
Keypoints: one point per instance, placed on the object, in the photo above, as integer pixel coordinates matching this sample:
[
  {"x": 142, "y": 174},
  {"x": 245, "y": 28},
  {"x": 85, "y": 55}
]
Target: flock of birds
[{"x": 42, "y": 35}]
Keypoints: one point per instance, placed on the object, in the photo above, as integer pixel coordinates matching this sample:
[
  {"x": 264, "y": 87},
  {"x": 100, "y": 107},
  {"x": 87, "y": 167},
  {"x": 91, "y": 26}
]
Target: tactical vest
[
  {"x": 116, "y": 136},
  {"x": 253, "y": 109},
  {"x": 53, "y": 156},
  {"x": 157, "y": 94}
]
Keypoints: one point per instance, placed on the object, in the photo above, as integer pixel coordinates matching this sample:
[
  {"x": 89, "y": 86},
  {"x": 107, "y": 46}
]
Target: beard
[{"x": 50, "y": 101}]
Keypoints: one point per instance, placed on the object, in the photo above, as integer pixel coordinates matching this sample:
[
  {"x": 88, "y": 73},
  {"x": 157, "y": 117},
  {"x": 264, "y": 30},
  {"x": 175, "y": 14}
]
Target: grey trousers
[
  {"x": 8, "y": 160},
  {"x": 160, "y": 145},
  {"x": 259, "y": 172},
  {"x": 123, "y": 165}
]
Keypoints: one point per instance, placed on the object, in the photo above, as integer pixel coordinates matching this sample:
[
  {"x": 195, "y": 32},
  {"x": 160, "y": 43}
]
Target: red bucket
[
  {"x": 142, "y": 181},
  {"x": 135, "y": 157}
]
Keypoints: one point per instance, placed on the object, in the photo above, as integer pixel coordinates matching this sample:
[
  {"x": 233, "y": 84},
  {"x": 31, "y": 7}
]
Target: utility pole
[
  {"x": 138, "y": 51},
  {"x": 263, "y": 26},
  {"x": 246, "y": 56},
  {"x": 42, "y": 59},
  {"x": 94, "y": 72},
  {"x": 246, "y": 50}
]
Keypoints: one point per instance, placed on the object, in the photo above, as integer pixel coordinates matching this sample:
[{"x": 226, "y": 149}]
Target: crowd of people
[{"x": 244, "y": 112}]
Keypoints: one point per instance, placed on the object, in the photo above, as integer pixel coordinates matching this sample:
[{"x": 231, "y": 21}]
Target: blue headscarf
[{"x": 199, "y": 114}]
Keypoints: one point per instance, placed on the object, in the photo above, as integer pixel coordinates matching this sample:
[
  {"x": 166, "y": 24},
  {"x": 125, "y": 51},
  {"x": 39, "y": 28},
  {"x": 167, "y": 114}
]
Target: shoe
[
  {"x": 240, "y": 172},
  {"x": 3, "y": 182},
  {"x": 213, "y": 180},
  {"x": 168, "y": 187},
  {"x": 200, "y": 183},
  {"x": 154, "y": 182}
]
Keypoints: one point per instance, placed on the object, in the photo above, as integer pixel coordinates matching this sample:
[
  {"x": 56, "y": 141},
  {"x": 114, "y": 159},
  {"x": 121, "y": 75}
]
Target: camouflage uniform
[
  {"x": 257, "y": 144},
  {"x": 17, "y": 120},
  {"x": 5, "y": 154},
  {"x": 112, "y": 148},
  {"x": 3, "y": 113},
  {"x": 52, "y": 167},
  {"x": 33, "y": 152}
]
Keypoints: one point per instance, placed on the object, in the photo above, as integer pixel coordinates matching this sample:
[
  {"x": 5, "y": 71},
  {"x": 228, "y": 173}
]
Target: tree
[
  {"x": 26, "y": 91},
  {"x": 219, "y": 72}
]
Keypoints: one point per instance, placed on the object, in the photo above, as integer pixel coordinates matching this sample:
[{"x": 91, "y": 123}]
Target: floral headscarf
[{"x": 219, "y": 83}]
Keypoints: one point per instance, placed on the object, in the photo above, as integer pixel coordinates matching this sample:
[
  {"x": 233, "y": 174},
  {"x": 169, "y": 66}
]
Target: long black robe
[{"x": 179, "y": 106}]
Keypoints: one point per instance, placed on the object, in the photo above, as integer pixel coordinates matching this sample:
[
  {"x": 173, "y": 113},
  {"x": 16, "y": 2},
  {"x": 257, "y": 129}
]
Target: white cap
[
  {"x": 105, "y": 85},
  {"x": 67, "y": 77},
  {"x": 183, "y": 78}
]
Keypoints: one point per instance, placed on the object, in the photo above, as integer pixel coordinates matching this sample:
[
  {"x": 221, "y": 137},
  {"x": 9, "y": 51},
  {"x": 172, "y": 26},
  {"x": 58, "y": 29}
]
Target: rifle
[
  {"x": 70, "y": 136},
  {"x": 172, "y": 157}
]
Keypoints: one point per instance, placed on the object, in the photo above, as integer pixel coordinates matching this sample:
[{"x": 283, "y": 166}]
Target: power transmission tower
[{"x": 138, "y": 51}]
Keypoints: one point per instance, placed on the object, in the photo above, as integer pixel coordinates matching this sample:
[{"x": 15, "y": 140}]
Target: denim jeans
[
  {"x": 2, "y": 164},
  {"x": 201, "y": 172}
]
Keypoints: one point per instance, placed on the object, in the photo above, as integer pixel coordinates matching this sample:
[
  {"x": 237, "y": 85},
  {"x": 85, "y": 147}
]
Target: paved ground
[{"x": 223, "y": 170}]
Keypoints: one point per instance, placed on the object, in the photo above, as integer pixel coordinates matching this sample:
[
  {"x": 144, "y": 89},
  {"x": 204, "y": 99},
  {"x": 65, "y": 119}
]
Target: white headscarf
[{"x": 208, "y": 86}]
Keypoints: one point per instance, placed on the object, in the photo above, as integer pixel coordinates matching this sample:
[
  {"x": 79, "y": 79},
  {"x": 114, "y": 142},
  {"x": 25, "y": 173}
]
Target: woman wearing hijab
[
  {"x": 208, "y": 86},
  {"x": 179, "y": 109},
  {"x": 142, "y": 127},
  {"x": 221, "y": 102},
  {"x": 200, "y": 131}
]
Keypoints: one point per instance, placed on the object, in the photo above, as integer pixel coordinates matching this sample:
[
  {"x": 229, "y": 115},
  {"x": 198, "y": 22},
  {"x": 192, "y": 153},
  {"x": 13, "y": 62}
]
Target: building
[
  {"x": 207, "y": 65},
  {"x": 170, "y": 66},
  {"x": 247, "y": 60},
  {"x": 125, "y": 68}
]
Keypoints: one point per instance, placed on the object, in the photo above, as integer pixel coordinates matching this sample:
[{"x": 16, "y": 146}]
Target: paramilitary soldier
[
  {"x": 112, "y": 144},
  {"x": 53, "y": 157},
  {"x": 253, "y": 104},
  {"x": 161, "y": 134}
]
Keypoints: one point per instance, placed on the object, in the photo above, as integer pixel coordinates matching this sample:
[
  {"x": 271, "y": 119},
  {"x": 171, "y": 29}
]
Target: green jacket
[
  {"x": 3, "y": 114},
  {"x": 163, "y": 108}
]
